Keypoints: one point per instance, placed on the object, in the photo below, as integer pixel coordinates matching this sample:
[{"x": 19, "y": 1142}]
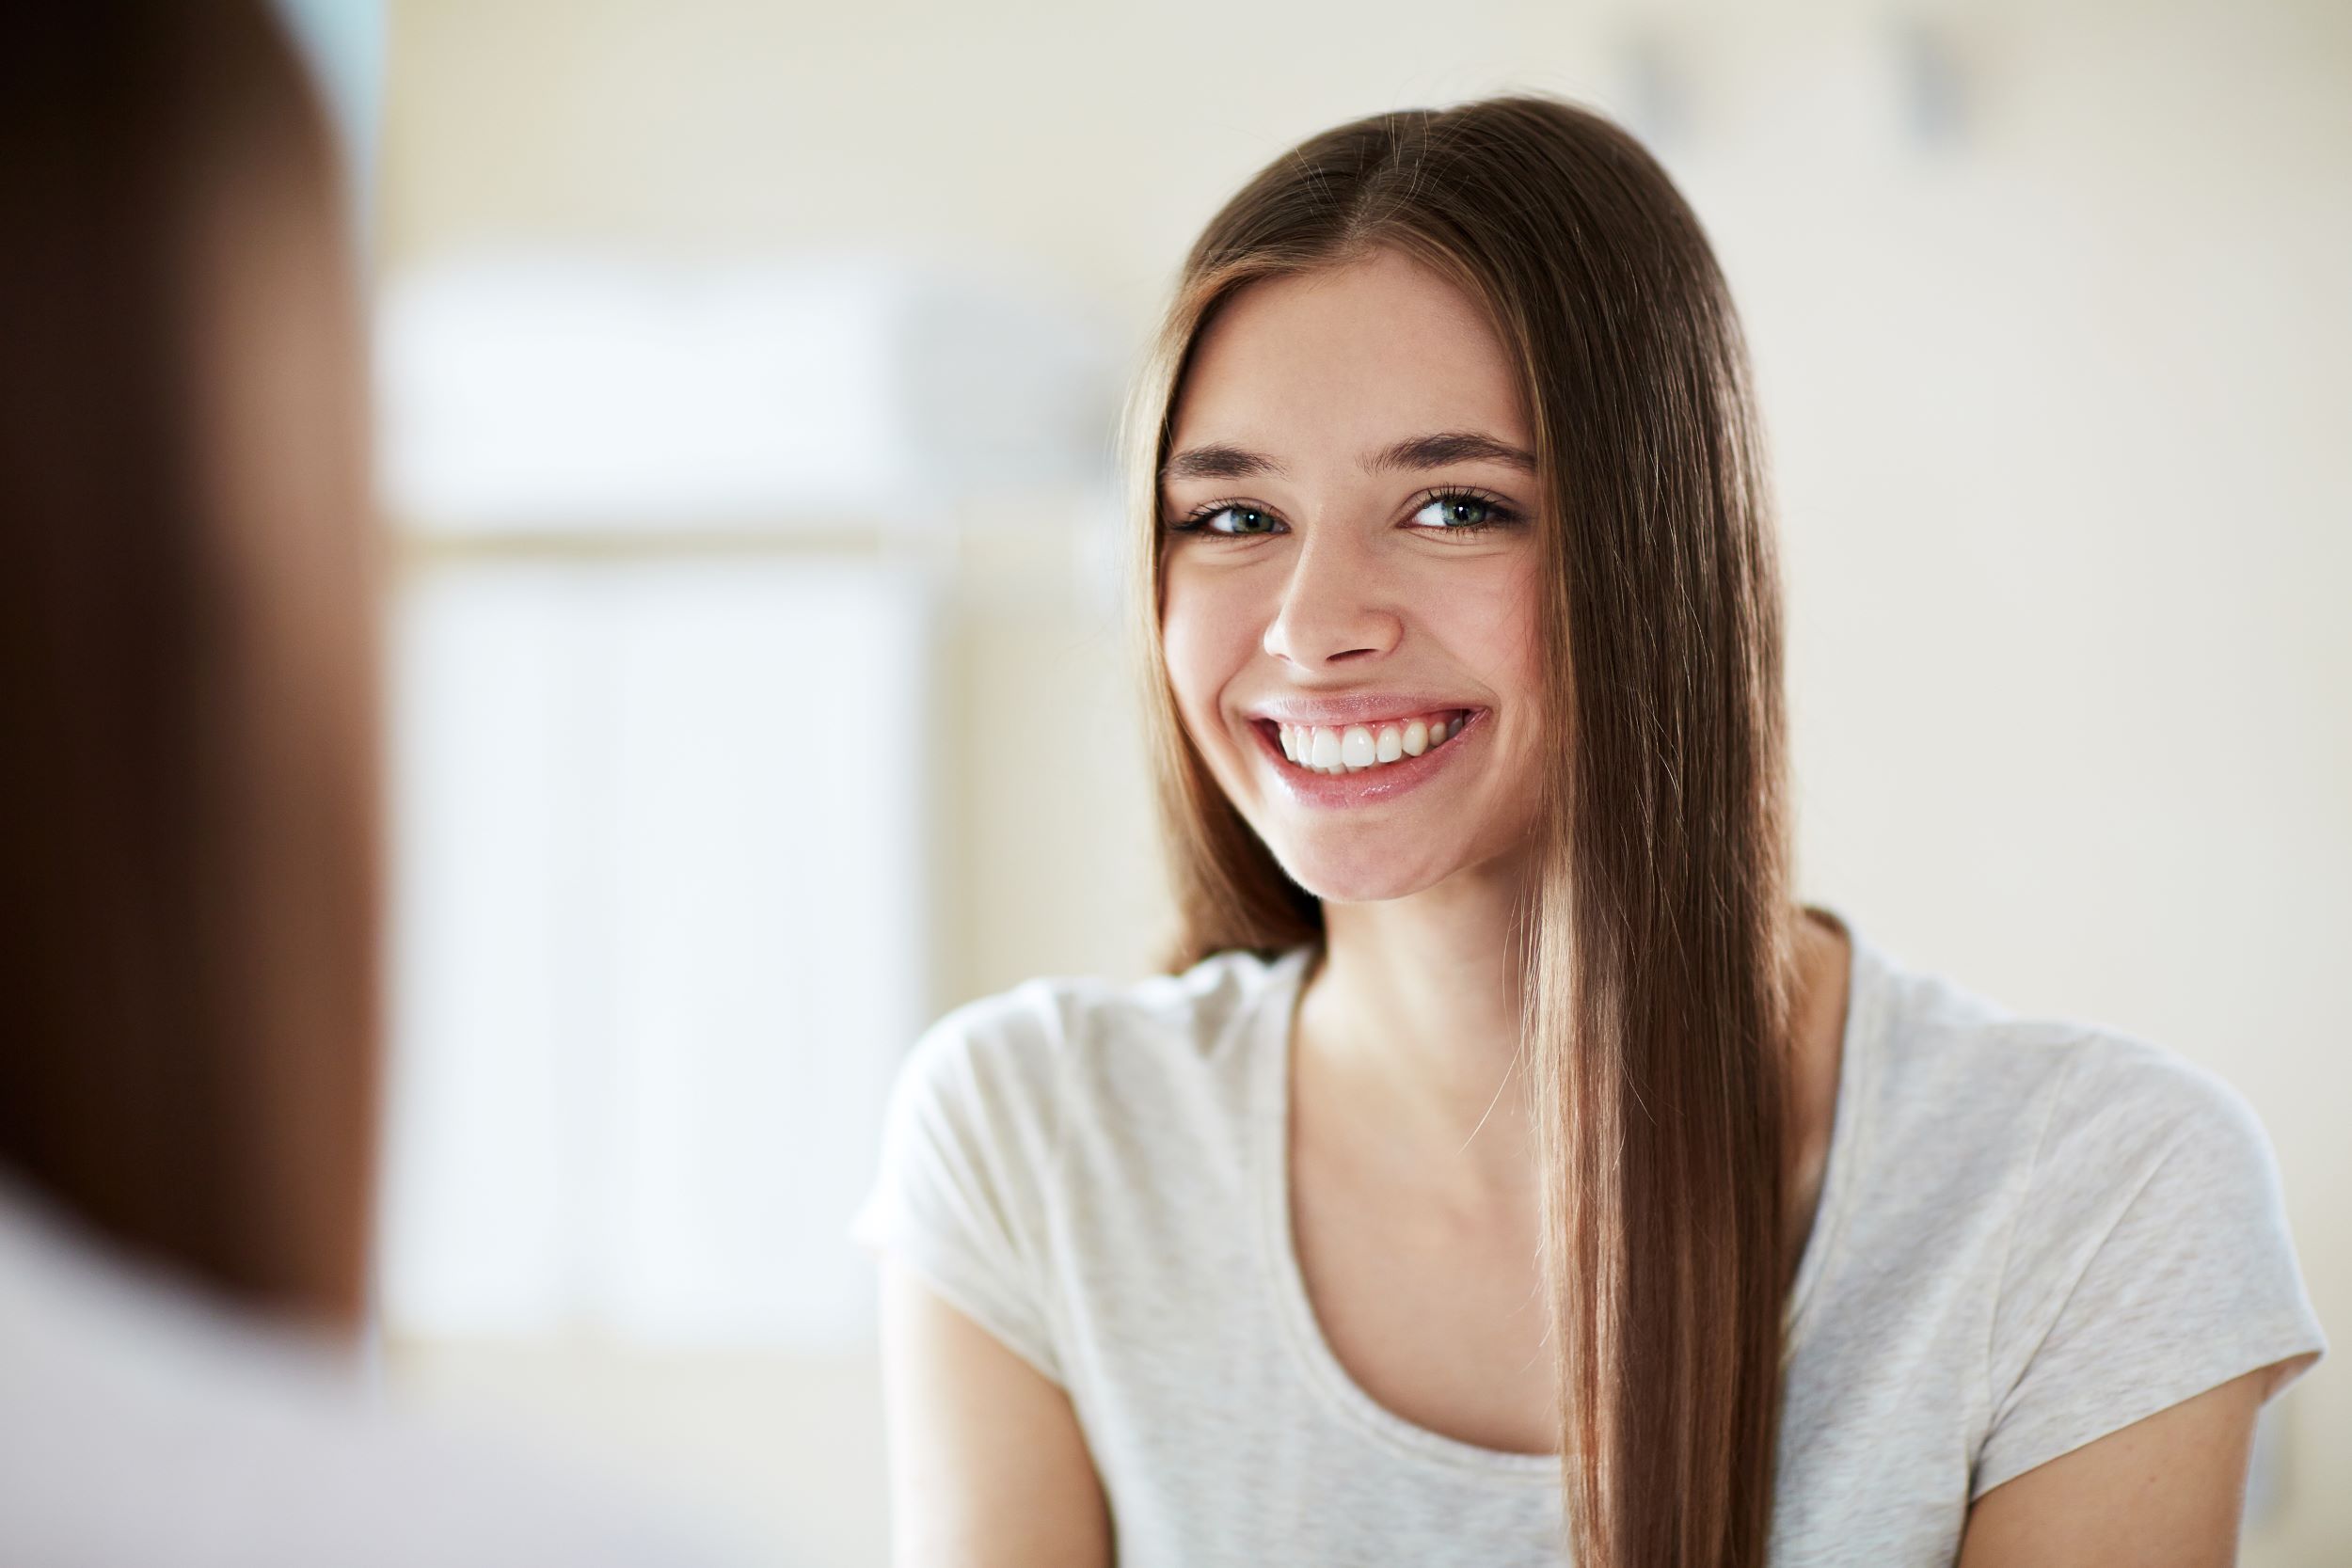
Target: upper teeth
[{"x": 1354, "y": 748}]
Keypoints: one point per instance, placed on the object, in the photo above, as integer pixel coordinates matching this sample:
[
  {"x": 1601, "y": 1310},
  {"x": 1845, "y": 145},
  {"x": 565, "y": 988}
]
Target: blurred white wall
[
  {"x": 662, "y": 909},
  {"x": 2049, "y": 304}
]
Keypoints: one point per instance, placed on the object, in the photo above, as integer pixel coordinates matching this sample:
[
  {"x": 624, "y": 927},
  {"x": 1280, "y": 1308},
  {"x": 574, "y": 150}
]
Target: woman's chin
[{"x": 1360, "y": 878}]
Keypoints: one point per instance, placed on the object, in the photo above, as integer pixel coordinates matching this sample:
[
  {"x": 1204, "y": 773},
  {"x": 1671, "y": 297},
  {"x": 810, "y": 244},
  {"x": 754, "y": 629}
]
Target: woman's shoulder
[
  {"x": 1951, "y": 1060},
  {"x": 2094, "y": 1168},
  {"x": 2135, "y": 1247},
  {"x": 1032, "y": 1053},
  {"x": 1059, "y": 1091},
  {"x": 2095, "y": 1217},
  {"x": 2092, "y": 1162},
  {"x": 1034, "y": 1026}
]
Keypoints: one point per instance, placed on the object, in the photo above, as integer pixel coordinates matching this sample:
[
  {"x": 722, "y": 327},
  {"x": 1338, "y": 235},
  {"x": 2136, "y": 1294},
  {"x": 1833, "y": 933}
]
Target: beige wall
[{"x": 2058, "y": 410}]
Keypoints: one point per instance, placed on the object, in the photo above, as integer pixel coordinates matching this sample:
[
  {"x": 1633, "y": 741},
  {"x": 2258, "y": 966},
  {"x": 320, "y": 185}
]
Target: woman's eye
[
  {"x": 1457, "y": 512},
  {"x": 1246, "y": 519}
]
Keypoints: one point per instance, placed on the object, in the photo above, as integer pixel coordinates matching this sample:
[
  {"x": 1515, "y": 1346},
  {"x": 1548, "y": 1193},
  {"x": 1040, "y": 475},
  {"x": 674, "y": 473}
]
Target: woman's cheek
[
  {"x": 1490, "y": 625},
  {"x": 1205, "y": 635}
]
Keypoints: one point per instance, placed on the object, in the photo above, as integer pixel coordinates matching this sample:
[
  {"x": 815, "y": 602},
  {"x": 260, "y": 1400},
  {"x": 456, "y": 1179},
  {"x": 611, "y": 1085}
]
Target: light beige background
[{"x": 2058, "y": 410}]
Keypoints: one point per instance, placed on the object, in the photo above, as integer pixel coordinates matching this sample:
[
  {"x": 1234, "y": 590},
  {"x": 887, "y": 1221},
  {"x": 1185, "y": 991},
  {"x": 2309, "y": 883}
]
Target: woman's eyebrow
[
  {"x": 1439, "y": 451},
  {"x": 1448, "y": 448}
]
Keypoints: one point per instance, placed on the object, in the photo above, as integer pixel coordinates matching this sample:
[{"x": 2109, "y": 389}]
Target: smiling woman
[
  {"x": 1383, "y": 588},
  {"x": 1511, "y": 1170}
]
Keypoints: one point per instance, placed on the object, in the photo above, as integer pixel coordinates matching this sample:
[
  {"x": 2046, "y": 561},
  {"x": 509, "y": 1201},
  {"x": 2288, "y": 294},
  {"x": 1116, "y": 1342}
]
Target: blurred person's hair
[
  {"x": 1660, "y": 930},
  {"x": 188, "y": 811}
]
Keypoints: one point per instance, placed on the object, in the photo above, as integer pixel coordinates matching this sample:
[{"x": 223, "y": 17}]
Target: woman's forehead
[{"x": 1342, "y": 363}]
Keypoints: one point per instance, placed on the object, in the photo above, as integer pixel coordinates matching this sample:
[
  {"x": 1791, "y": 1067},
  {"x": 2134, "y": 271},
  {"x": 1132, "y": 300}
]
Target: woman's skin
[
  {"x": 1321, "y": 575},
  {"x": 1413, "y": 1194}
]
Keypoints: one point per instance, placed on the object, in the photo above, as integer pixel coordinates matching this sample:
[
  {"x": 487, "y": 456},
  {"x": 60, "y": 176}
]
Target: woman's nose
[{"x": 1334, "y": 608}]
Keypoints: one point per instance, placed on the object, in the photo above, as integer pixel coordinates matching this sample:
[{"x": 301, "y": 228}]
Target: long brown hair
[
  {"x": 1660, "y": 932},
  {"x": 188, "y": 857}
]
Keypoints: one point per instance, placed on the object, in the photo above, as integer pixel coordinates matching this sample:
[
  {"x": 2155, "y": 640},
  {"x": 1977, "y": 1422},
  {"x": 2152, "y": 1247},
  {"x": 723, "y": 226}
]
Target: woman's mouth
[
  {"x": 1339, "y": 749},
  {"x": 1359, "y": 764}
]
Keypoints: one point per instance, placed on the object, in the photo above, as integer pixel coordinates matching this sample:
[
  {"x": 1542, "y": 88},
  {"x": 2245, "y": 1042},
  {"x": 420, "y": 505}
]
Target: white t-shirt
[{"x": 2030, "y": 1234}]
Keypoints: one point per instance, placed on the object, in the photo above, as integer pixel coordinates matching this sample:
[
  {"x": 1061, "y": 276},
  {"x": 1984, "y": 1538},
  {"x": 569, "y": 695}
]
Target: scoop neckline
[{"x": 1311, "y": 1351}]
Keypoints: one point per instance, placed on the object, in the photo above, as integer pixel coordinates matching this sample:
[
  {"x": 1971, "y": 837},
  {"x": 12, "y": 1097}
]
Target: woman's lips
[{"x": 1367, "y": 786}]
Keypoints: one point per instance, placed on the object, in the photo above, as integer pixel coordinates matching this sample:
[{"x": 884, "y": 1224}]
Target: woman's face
[{"x": 1350, "y": 583}]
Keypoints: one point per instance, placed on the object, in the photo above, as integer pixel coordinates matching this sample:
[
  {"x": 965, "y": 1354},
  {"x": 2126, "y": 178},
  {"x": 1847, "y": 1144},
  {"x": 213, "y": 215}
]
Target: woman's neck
[
  {"x": 1408, "y": 1034},
  {"x": 1409, "y": 1027}
]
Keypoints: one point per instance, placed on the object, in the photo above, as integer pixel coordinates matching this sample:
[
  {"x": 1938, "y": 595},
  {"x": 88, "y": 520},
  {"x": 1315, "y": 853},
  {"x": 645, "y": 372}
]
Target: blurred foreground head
[{"x": 189, "y": 878}]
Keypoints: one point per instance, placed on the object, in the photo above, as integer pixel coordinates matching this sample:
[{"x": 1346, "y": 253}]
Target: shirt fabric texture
[{"x": 2031, "y": 1232}]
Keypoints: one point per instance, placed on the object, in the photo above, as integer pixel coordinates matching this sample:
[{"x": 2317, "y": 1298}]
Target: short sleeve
[
  {"x": 2151, "y": 1261},
  {"x": 967, "y": 1150}
]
